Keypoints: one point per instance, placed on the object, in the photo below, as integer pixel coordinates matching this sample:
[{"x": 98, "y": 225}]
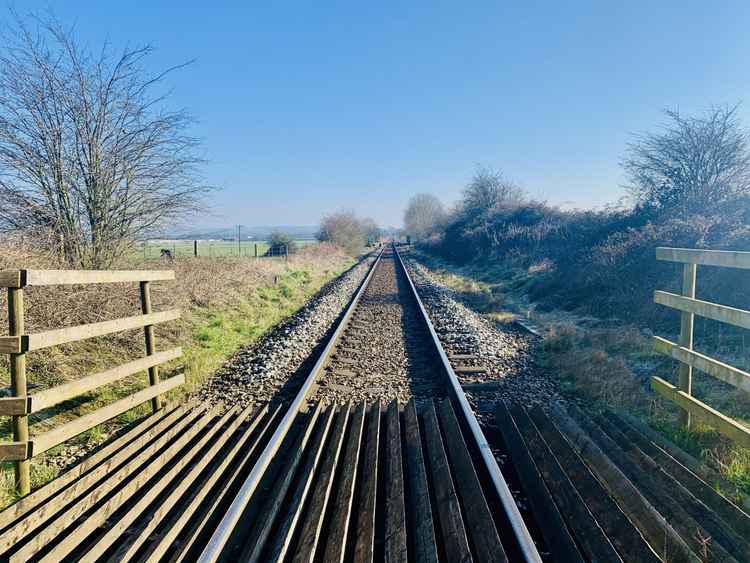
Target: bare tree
[
  {"x": 423, "y": 216},
  {"x": 371, "y": 229},
  {"x": 488, "y": 189},
  {"x": 88, "y": 155},
  {"x": 344, "y": 229},
  {"x": 694, "y": 165}
]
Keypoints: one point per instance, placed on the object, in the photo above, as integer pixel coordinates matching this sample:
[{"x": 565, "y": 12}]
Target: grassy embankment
[
  {"x": 226, "y": 303},
  {"x": 607, "y": 362}
]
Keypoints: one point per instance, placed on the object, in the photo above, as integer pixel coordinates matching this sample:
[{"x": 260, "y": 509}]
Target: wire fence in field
[{"x": 213, "y": 249}]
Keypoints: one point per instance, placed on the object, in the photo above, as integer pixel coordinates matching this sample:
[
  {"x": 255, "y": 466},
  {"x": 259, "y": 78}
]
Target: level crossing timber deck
[{"x": 375, "y": 482}]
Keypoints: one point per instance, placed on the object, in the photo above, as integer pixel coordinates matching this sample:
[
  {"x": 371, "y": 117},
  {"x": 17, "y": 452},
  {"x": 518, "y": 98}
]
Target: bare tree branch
[
  {"x": 695, "y": 164},
  {"x": 87, "y": 151}
]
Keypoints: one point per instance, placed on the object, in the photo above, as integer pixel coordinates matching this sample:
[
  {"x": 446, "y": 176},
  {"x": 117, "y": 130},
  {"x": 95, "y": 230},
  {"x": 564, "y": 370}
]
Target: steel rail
[
  {"x": 220, "y": 537},
  {"x": 521, "y": 532}
]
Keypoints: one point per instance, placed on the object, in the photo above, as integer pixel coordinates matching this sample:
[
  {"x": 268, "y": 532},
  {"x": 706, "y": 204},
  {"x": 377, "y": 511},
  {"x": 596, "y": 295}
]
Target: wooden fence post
[
  {"x": 687, "y": 321},
  {"x": 256, "y": 249},
  {"x": 195, "y": 248},
  {"x": 148, "y": 330},
  {"x": 18, "y": 383}
]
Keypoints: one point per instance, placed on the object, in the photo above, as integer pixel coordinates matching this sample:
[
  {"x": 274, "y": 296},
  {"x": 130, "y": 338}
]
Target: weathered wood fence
[
  {"x": 18, "y": 343},
  {"x": 197, "y": 248},
  {"x": 683, "y": 351}
]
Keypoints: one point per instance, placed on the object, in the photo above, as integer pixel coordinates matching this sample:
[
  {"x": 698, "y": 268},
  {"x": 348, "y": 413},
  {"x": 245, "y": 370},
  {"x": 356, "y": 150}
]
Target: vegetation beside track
[
  {"x": 588, "y": 276},
  {"x": 226, "y": 303},
  {"x": 605, "y": 362}
]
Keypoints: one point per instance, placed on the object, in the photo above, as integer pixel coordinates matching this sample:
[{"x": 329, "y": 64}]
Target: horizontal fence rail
[
  {"x": 683, "y": 352},
  {"x": 706, "y": 309},
  {"x": 39, "y": 341},
  {"x": 719, "y": 370},
  {"x": 722, "y": 258},
  {"x": 50, "y": 397},
  {"x": 18, "y": 343},
  {"x": 63, "y": 433},
  {"x": 702, "y": 412},
  {"x": 84, "y": 332},
  {"x": 24, "y": 278}
]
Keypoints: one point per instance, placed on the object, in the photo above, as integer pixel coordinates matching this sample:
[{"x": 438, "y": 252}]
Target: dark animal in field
[{"x": 166, "y": 253}]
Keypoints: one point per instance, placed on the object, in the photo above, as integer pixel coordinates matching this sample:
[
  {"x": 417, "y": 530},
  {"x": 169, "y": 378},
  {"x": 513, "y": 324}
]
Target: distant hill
[{"x": 248, "y": 233}]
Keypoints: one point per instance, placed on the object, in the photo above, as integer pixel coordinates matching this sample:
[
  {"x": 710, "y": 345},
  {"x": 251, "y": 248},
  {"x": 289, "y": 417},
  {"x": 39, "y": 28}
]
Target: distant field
[{"x": 217, "y": 248}]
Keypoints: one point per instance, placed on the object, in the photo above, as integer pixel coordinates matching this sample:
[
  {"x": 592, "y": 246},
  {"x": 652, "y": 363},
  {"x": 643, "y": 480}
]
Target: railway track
[
  {"x": 379, "y": 456},
  {"x": 376, "y": 481}
]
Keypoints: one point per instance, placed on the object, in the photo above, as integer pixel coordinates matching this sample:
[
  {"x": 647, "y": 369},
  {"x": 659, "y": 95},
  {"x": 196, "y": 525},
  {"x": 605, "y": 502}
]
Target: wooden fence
[
  {"x": 20, "y": 405},
  {"x": 214, "y": 249},
  {"x": 683, "y": 352}
]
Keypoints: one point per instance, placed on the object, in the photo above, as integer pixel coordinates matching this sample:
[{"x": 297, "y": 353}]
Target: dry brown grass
[
  {"x": 611, "y": 366},
  {"x": 201, "y": 285},
  {"x": 592, "y": 363}
]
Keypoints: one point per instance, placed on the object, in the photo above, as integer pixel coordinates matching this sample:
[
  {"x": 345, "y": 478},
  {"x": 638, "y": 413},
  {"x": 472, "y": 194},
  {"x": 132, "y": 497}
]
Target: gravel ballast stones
[
  {"x": 493, "y": 361},
  {"x": 386, "y": 352},
  {"x": 272, "y": 367}
]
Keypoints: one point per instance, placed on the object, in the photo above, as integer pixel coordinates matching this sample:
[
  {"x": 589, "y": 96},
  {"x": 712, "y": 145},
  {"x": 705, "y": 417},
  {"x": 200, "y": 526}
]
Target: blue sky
[{"x": 306, "y": 107}]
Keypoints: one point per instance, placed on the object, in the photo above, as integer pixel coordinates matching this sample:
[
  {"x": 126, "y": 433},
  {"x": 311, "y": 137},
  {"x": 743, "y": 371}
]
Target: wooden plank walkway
[
  {"x": 144, "y": 487},
  {"x": 602, "y": 489},
  {"x": 364, "y": 482},
  {"x": 372, "y": 482},
  {"x": 396, "y": 484}
]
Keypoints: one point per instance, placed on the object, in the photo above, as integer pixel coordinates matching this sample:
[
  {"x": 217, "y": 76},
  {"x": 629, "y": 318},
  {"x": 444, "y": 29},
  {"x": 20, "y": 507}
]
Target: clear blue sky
[{"x": 306, "y": 107}]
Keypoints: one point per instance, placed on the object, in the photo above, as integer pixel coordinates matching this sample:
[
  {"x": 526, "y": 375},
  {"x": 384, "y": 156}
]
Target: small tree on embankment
[{"x": 90, "y": 159}]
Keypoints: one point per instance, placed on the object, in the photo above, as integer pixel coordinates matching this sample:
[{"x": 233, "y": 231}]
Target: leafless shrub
[
  {"x": 691, "y": 180},
  {"x": 489, "y": 190},
  {"x": 88, "y": 154},
  {"x": 424, "y": 216},
  {"x": 371, "y": 229},
  {"x": 345, "y": 230},
  {"x": 696, "y": 164}
]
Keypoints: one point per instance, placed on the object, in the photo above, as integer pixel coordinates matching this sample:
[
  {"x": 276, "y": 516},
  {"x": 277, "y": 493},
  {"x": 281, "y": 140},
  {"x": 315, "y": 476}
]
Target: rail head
[
  {"x": 521, "y": 532},
  {"x": 220, "y": 537}
]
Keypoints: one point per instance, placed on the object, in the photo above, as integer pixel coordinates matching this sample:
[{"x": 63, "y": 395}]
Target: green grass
[
  {"x": 702, "y": 442},
  {"x": 492, "y": 289},
  {"x": 218, "y": 334}
]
